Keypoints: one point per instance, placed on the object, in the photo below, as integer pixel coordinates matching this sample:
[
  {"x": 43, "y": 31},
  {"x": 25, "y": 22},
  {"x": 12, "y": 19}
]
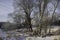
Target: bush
[{"x": 8, "y": 26}]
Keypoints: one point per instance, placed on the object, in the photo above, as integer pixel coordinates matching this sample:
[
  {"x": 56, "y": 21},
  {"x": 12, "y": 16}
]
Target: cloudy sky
[{"x": 5, "y": 8}]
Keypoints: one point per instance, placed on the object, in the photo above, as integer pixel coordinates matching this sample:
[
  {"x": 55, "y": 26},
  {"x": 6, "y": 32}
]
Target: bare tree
[
  {"x": 55, "y": 7},
  {"x": 42, "y": 4},
  {"x": 26, "y": 6}
]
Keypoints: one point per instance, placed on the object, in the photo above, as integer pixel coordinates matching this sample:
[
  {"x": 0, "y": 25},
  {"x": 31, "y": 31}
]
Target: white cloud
[{"x": 5, "y": 8}]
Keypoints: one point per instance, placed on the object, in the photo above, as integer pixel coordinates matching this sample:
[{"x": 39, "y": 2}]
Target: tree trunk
[{"x": 29, "y": 21}]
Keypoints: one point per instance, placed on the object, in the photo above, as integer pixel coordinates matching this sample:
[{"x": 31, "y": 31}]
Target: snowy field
[
  {"x": 45, "y": 38},
  {"x": 4, "y": 35}
]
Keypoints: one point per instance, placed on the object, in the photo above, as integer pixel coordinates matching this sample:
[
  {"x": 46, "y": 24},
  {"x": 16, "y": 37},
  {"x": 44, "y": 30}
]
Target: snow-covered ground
[
  {"x": 55, "y": 28},
  {"x": 2, "y": 33},
  {"x": 39, "y": 38},
  {"x": 23, "y": 35},
  {"x": 45, "y": 38}
]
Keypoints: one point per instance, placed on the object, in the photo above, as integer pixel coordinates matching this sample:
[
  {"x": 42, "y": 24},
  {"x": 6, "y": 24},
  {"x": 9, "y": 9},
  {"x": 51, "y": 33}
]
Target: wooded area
[{"x": 34, "y": 13}]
